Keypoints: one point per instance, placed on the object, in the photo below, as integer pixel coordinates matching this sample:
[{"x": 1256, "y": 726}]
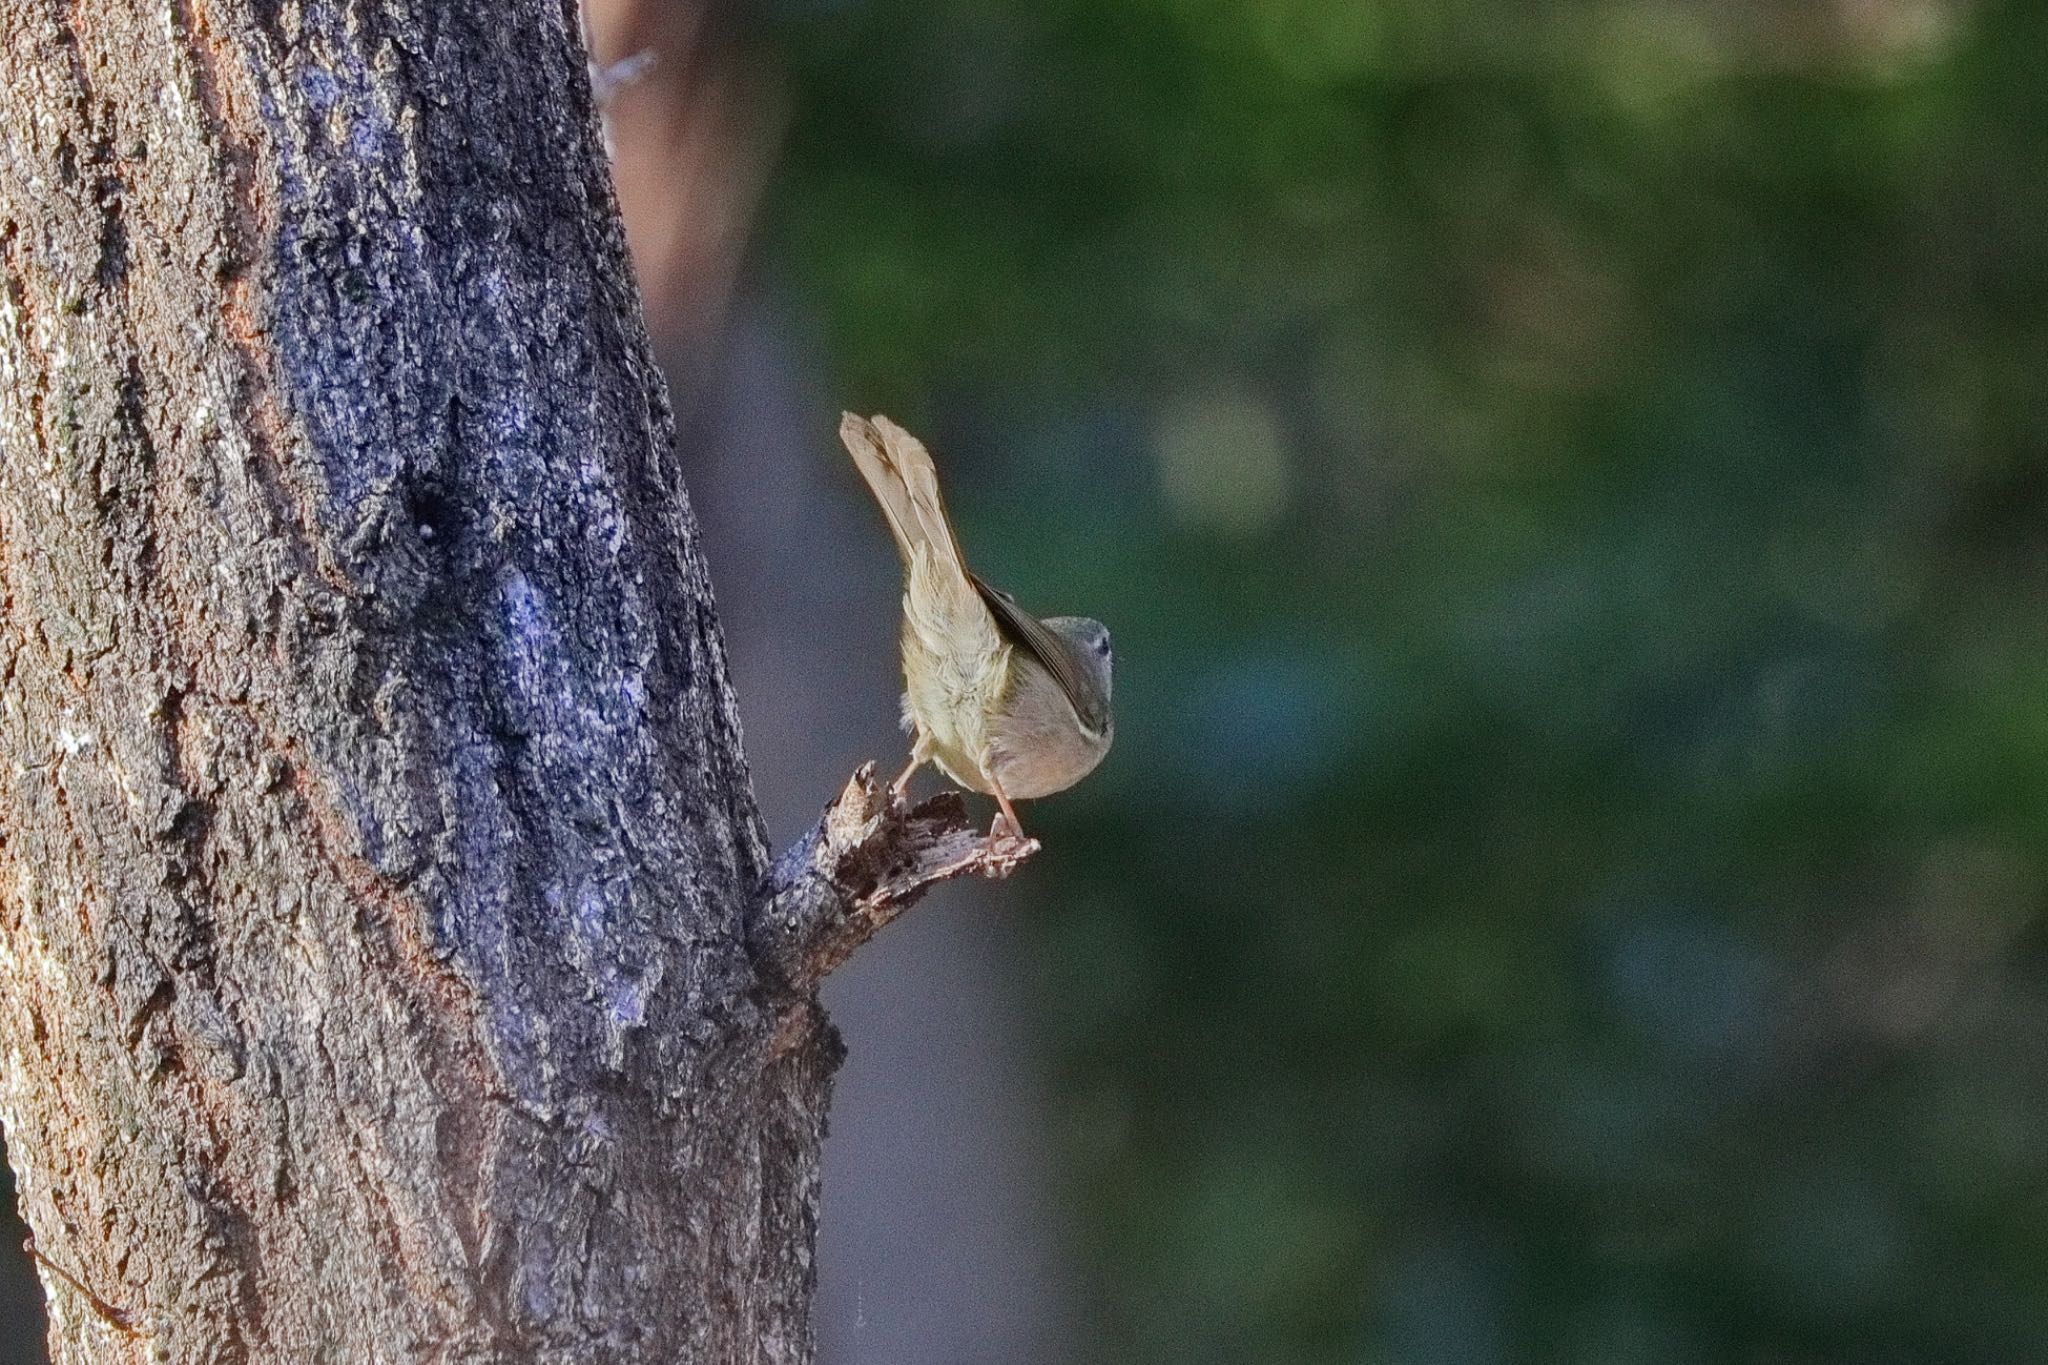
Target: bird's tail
[{"x": 900, "y": 472}]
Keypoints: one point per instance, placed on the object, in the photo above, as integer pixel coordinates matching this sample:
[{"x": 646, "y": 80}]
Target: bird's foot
[{"x": 1006, "y": 846}]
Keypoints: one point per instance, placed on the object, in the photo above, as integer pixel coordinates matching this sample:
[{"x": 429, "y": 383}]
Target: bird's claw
[
  {"x": 1006, "y": 846},
  {"x": 1003, "y": 852}
]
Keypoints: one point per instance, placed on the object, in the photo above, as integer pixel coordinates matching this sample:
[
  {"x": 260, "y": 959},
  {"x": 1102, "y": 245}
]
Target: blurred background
[{"x": 1569, "y": 482}]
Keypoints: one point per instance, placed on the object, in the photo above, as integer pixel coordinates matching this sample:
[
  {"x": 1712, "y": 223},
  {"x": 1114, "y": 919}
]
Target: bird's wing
[{"x": 1021, "y": 628}]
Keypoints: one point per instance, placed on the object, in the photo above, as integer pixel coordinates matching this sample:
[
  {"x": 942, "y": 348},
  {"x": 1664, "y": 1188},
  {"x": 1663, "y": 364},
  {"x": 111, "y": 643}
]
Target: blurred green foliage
[{"x": 1570, "y": 486}]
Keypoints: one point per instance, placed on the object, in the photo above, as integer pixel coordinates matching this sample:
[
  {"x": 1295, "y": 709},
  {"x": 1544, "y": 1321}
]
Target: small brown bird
[{"x": 1003, "y": 702}]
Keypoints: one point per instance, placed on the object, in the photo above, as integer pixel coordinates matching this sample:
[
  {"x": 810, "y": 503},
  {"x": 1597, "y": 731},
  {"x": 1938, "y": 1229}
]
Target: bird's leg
[
  {"x": 920, "y": 754},
  {"x": 902, "y": 782},
  {"x": 1009, "y": 815}
]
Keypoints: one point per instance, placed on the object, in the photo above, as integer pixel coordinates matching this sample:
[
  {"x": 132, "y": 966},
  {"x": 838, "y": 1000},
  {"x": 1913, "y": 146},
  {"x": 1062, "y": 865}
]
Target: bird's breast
[{"x": 1036, "y": 746}]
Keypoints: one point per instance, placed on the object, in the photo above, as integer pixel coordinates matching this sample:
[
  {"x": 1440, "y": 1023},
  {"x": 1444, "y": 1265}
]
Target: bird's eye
[{"x": 1102, "y": 645}]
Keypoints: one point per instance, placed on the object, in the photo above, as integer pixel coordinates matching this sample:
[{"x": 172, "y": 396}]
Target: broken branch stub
[{"x": 867, "y": 860}]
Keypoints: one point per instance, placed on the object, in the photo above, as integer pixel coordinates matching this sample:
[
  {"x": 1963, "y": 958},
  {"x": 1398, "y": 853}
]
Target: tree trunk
[{"x": 390, "y": 966}]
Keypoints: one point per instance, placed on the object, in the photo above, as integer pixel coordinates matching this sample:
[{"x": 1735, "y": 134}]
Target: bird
[{"x": 1005, "y": 703}]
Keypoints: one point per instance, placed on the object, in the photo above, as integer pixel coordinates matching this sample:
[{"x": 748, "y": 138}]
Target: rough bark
[{"x": 388, "y": 954}]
